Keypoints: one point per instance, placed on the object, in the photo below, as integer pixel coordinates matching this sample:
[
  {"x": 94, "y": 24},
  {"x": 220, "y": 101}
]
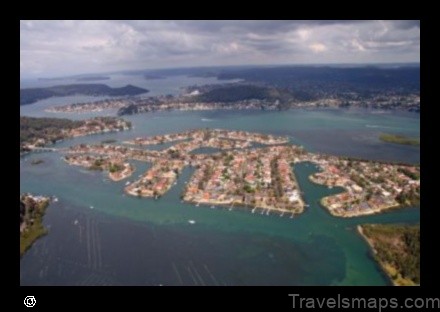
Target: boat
[
  {"x": 212, "y": 207},
  {"x": 127, "y": 183},
  {"x": 191, "y": 221},
  {"x": 55, "y": 199},
  {"x": 91, "y": 207},
  {"x": 75, "y": 222},
  {"x": 198, "y": 204}
]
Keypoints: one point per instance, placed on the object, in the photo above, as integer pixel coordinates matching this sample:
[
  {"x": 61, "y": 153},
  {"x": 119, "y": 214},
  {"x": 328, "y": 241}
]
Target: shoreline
[
  {"x": 227, "y": 205},
  {"x": 36, "y": 230},
  {"x": 359, "y": 214},
  {"x": 384, "y": 266},
  {"x": 370, "y": 244}
]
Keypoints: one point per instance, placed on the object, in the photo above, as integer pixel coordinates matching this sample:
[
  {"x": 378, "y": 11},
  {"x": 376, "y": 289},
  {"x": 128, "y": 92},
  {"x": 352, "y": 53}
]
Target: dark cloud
[{"x": 65, "y": 47}]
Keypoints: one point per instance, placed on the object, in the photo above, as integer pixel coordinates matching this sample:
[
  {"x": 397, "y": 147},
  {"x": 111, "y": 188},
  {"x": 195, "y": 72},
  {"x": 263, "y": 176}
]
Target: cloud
[
  {"x": 318, "y": 47},
  {"x": 53, "y": 48}
]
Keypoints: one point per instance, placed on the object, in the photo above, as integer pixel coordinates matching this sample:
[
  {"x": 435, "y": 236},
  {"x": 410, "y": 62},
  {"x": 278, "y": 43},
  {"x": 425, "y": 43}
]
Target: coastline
[
  {"x": 358, "y": 214},
  {"x": 374, "y": 251},
  {"x": 31, "y": 234},
  {"x": 391, "y": 270},
  {"x": 264, "y": 210}
]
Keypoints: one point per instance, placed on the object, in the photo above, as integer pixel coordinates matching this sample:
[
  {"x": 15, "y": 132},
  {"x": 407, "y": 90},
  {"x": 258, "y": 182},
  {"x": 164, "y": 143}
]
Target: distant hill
[
  {"x": 327, "y": 79},
  {"x": 93, "y": 78},
  {"x": 32, "y": 95}
]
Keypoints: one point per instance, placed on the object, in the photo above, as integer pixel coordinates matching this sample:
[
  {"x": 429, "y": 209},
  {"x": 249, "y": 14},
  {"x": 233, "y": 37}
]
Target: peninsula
[
  {"x": 32, "y": 95},
  {"x": 397, "y": 249},
  {"x": 32, "y": 210},
  {"x": 259, "y": 178},
  {"x": 37, "y": 133},
  {"x": 239, "y": 97}
]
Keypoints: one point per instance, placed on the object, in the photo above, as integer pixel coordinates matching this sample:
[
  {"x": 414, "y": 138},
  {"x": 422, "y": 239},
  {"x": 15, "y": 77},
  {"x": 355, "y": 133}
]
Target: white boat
[
  {"x": 91, "y": 207},
  {"x": 75, "y": 222},
  {"x": 212, "y": 207},
  {"x": 197, "y": 205},
  {"x": 191, "y": 221},
  {"x": 127, "y": 183},
  {"x": 55, "y": 199}
]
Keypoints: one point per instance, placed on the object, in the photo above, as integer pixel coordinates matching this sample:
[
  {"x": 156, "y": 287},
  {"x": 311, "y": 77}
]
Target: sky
[{"x": 62, "y": 48}]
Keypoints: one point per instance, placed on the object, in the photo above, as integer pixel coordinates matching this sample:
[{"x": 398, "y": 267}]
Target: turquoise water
[{"x": 125, "y": 240}]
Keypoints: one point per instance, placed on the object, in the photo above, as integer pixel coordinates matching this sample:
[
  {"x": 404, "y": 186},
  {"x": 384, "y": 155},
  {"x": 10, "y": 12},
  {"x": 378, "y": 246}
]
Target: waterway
[{"x": 100, "y": 236}]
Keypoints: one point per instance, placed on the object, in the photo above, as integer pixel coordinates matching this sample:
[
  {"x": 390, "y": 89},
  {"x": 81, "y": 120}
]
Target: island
[
  {"x": 399, "y": 139},
  {"x": 397, "y": 250},
  {"x": 32, "y": 209},
  {"x": 32, "y": 95},
  {"x": 37, "y": 133},
  {"x": 253, "y": 171}
]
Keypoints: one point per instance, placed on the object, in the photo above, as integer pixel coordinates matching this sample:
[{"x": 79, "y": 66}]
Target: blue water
[{"x": 125, "y": 240}]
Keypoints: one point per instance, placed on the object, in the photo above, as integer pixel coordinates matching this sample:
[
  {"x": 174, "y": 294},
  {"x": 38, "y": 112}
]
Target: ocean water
[{"x": 100, "y": 236}]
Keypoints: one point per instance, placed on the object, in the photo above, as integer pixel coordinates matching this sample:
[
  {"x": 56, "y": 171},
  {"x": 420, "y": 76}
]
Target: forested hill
[
  {"x": 326, "y": 78},
  {"x": 239, "y": 92},
  {"x": 32, "y": 95}
]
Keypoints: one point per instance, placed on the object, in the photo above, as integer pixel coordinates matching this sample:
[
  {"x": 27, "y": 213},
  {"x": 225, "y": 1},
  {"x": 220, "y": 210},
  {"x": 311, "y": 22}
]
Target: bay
[{"x": 100, "y": 236}]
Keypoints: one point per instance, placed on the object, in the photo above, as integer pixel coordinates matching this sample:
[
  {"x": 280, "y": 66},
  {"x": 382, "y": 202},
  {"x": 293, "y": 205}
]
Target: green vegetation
[
  {"x": 32, "y": 95},
  {"x": 108, "y": 141},
  {"x": 399, "y": 139},
  {"x": 31, "y": 217},
  {"x": 241, "y": 92},
  {"x": 248, "y": 189},
  {"x": 410, "y": 174},
  {"x": 410, "y": 198},
  {"x": 234, "y": 93},
  {"x": 45, "y": 129},
  {"x": 97, "y": 165},
  {"x": 397, "y": 249},
  {"x": 115, "y": 168}
]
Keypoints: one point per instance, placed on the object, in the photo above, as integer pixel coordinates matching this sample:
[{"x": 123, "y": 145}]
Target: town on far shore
[{"x": 250, "y": 170}]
